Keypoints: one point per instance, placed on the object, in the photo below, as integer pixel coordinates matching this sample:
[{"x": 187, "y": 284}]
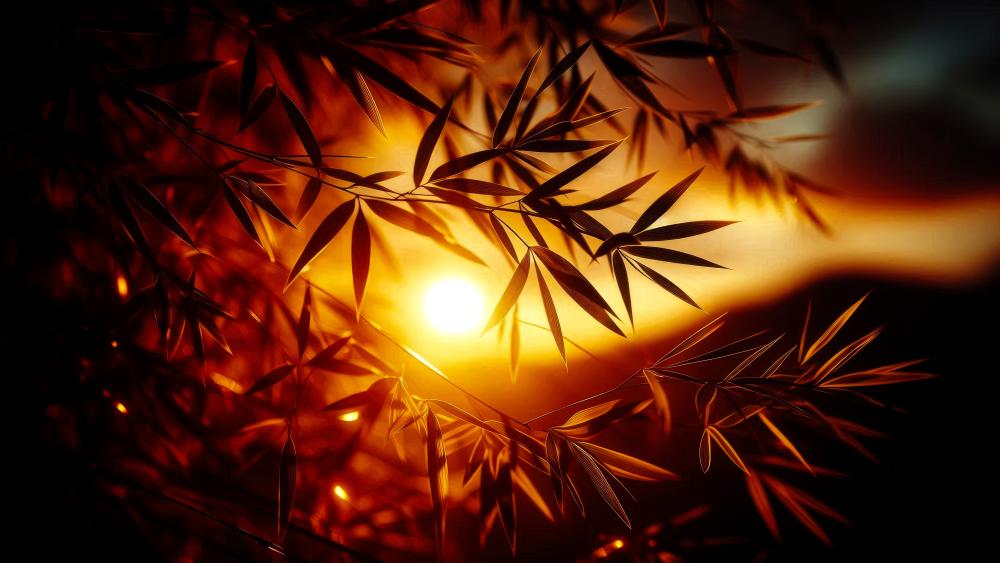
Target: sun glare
[{"x": 454, "y": 306}]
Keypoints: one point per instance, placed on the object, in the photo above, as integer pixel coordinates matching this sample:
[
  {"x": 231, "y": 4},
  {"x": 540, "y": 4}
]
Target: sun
[{"x": 454, "y": 306}]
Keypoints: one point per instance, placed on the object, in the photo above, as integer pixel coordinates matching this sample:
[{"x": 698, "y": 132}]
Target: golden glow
[
  {"x": 340, "y": 493},
  {"x": 454, "y": 306},
  {"x": 121, "y": 407},
  {"x": 122, "y": 286},
  {"x": 349, "y": 416},
  {"x": 618, "y": 544}
]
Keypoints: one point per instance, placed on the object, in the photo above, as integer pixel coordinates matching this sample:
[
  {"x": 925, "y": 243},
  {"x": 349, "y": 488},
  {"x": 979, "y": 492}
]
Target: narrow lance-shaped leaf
[
  {"x": 833, "y": 329},
  {"x": 552, "y": 316},
  {"x": 234, "y": 203},
  {"x": 154, "y": 207},
  {"x": 629, "y": 467},
  {"x": 361, "y": 250},
  {"x": 593, "y": 470},
  {"x": 668, "y": 285},
  {"x": 577, "y": 287},
  {"x": 258, "y": 106},
  {"x": 260, "y": 198},
  {"x": 429, "y": 141},
  {"x": 511, "y": 293},
  {"x": 663, "y": 203},
  {"x": 302, "y": 130},
  {"x": 785, "y": 441},
  {"x": 669, "y": 255},
  {"x": 286, "y": 486},
  {"x": 270, "y": 378},
  {"x": 463, "y": 163},
  {"x": 660, "y": 399},
  {"x": 681, "y": 230},
  {"x": 308, "y": 198},
  {"x": 553, "y": 184},
  {"x": 507, "y": 117},
  {"x": 727, "y": 448},
  {"x": 321, "y": 238},
  {"x": 437, "y": 473},
  {"x": 621, "y": 278},
  {"x": 558, "y": 69}
]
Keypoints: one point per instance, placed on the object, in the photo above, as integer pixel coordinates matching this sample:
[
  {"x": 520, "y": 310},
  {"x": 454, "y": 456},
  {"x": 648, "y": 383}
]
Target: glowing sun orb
[{"x": 454, "y": 306}]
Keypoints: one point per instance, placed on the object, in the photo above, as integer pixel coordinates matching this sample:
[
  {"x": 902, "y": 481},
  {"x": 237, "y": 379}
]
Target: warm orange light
[
  {"x": 122, "y": 286},
  {"x": 618, "y": 544},
  {"x": 114, "y": 343},
  {"x": 350, "y": 416},
  {"x": 121, "y": 407},
  {"x": 454, "y": 306},
  {"x": 340, "y": 493}
]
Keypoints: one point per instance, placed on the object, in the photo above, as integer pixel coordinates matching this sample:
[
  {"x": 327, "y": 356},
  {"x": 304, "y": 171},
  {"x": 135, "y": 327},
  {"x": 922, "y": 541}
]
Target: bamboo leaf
[
  {"x": 552, "y": 316},
  {"x": 727, "y": 448},
  {"x": 555, "y": 183},
  {"x": 361, "y": 250},
  {"x": 663, "y": 203},
  {"x": 511, "y": 293},
  {"x": 681, "y": 230},
  {"x": 428, "y": 142},
  {"x": 577, "y": 287},
  {"x": 477, "y": 187},
  {"x": 270, "y": 378},
  {"x": 507, "y": 116},
  {"x": 302, "y": 129},
  {"x": 141, "y": 195},
  {"x": 833, "y": 329},
  {"x": 596, "y": 474},
  {"x": 463, "y": 163},
  {"x": 668, "y": 285},
  {"x": 659, "y": 392},
  {"x": 321, "y": 237},
  {"x": 624, "y": 465},
  {"x": 785, "y": 441},
  {"x": 668, "y": 255}
]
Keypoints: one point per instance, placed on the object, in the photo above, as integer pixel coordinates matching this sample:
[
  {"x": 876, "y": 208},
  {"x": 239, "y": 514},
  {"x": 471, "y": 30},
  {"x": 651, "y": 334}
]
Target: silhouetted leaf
[
  {"x": 302, "y": 130},
  {"x": 152, "y": 205},
  {"x": 428, "y": 142},
  {"x": 681, "y": 230},
  {"x": 668, "y": 255},
  {"x": 577, "y": 287},
  {"x": 321, "y": 237},
  {"x": 621, "y": 278},
  {"x": 463, "y": 163},
  {"x": 555, "y": 183},
  {"x": 552, "y": 316},
  {"x": 511, "y": 293},
  {"x": 234, "y": 203},
  {"x": 270, "y": 378},
  {"x": 259, "y": 197},
  {"x": 258, "y": 106},
  {"x": 308, "y": 198},
  {"x": 360, "y": 257},
  {"x": 477, "y": 187},
  {"x": 507, "y": 116},
  {"x": 624, "y": 465},
  {"x": 663, "y": 203}
]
